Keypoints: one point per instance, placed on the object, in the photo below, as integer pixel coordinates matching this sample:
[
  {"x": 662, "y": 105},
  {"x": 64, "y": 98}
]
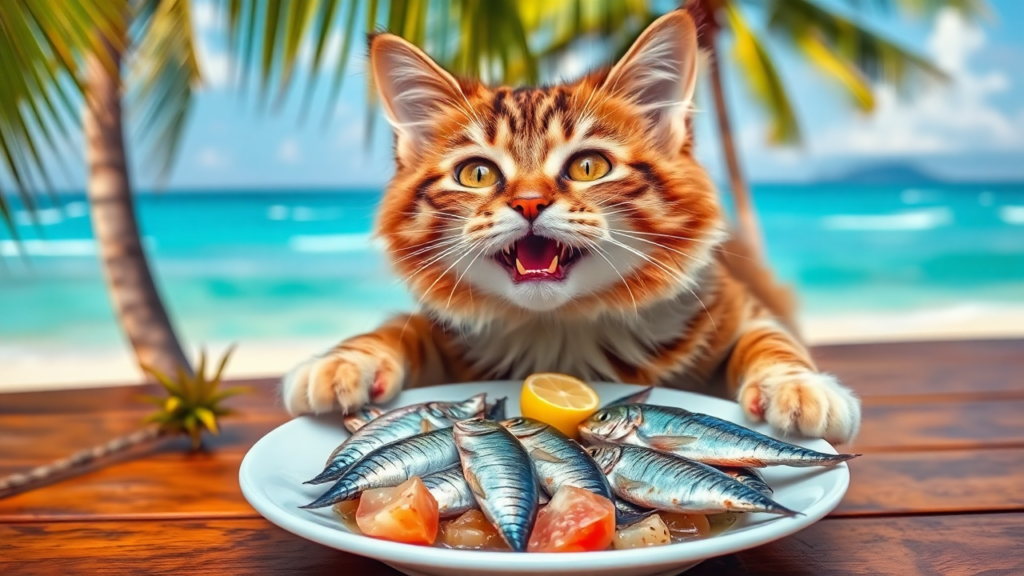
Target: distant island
[{"x": 883, "y": 173}]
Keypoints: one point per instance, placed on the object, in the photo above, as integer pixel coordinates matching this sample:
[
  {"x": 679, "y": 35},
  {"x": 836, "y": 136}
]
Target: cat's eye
[
  {"x": 587, "y": 167},
  {"x": 477, "y": 174}
]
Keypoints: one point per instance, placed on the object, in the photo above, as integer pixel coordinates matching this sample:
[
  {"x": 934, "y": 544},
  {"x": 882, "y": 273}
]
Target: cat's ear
[
  {"x": 413, "y": 89},
  {"x": 658, "y": 75}
]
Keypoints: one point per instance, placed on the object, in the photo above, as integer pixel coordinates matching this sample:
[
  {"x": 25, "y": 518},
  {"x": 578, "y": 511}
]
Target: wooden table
[{"x": 940, "y": 489}]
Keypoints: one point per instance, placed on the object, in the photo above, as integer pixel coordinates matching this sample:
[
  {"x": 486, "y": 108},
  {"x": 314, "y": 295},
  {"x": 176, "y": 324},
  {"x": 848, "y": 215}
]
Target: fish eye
[
  {"x": 602, "y": 417},
  {"x": 587, "y": 167},
  {"x": 477, "y": 173}
]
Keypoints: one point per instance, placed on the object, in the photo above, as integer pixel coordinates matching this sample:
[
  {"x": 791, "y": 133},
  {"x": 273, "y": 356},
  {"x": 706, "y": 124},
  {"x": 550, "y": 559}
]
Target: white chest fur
[{"x": 579, "y": 347}]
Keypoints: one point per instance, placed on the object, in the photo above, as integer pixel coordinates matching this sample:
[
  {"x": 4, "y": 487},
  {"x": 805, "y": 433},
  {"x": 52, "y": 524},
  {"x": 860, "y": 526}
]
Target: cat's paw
[
  {"x": 802, "y": 402},
  {"x": 343, "y": 379}
]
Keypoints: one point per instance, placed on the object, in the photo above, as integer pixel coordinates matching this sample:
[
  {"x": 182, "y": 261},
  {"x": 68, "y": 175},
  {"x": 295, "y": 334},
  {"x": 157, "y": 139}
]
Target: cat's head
[{"x": 581, "y": 198}]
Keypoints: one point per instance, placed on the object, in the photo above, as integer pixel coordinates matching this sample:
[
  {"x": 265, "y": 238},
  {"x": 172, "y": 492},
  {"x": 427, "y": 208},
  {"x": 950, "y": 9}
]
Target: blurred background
[{"x": 880, "y": 144}]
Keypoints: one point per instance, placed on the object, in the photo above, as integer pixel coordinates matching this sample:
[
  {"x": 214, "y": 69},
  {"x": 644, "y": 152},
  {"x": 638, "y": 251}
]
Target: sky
[{"x": 969, "y": 129}]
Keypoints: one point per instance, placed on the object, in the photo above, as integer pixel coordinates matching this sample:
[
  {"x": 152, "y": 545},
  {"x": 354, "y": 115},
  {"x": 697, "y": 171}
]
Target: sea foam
[{"x": 925, "y": 219}]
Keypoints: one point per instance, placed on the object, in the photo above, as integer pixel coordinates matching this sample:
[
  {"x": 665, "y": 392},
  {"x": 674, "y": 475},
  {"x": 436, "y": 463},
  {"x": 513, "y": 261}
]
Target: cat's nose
[{"x": 530, "y": 208}]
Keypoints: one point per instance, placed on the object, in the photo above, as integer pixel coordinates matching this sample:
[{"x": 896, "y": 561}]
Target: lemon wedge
[{"x": 559, "y": 400}]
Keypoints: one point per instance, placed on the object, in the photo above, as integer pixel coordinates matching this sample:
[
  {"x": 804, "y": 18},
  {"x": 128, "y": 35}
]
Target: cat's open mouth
[{"x": 533, "y": 258}]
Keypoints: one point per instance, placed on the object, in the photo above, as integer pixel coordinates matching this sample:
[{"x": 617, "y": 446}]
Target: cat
[{"x": 568, "y": 229}]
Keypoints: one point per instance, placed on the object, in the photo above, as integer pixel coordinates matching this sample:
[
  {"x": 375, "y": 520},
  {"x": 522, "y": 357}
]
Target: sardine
[
  {"x": 393, "y": 464},
  {"x": 361, "y": 417},
  {"x": 451, "y": 491},
  {"x": 698, "y": 436},
  {"x": 627, "y": 513},
  {"x": 501, "y": 476},
  {"x": 395, "y": 425},
  {"x": 750, "y": 477},
  {"x": 654, "y": 479},
  {"x": 496, "y": 411},
  {"x": 558, "y": 459},
  {"x": 634, "y": 398}
]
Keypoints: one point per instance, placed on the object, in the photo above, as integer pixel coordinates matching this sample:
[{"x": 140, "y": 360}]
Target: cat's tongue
[{"x": 536, "y": 253}]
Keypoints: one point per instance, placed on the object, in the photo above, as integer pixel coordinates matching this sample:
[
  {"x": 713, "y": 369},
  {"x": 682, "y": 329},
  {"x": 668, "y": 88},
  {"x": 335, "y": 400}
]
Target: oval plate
[{"x": 274, "y": 469}]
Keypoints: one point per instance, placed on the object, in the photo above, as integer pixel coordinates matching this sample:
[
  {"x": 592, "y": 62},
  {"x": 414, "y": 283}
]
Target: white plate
[{"x": 272, "y": 473}]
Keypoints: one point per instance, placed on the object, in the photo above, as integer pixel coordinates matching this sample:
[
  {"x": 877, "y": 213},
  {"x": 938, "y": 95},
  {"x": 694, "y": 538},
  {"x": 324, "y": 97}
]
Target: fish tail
[
  {"x": 338, "y": 493},
  {"x": 774, "y": 507},
  {"x": 786, "y": 454},
  {"x": 332, "y": 472}
]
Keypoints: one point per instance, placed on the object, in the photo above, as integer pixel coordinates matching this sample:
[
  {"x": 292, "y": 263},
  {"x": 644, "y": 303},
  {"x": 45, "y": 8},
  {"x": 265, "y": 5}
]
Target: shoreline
[{"x": 41, "y": 366}]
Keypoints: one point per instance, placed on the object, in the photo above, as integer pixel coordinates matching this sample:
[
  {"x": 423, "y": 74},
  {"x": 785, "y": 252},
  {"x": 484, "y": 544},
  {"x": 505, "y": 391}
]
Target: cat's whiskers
[
  {"x": 601, "y": 252},
  {"x": 434, "y": 245},
  {"x": 459, "y": 279},
  {"x": 459, "y": 245},
  {"x": 659, "y": 245},
  {"x": 678, "y": 274},
  {"x": 419, "y": 302}
]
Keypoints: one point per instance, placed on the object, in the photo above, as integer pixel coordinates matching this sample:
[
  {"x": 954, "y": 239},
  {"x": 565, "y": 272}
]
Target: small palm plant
[{"x": 193, "y": 404}]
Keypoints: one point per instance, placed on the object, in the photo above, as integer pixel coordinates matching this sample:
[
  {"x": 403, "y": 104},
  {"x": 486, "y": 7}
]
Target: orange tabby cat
[{"x": 568, "y": 229}]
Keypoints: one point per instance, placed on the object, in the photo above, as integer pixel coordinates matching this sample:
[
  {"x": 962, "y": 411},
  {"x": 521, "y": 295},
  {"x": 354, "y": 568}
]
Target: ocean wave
[
  {"x": 918, "y": 196},
  {"x": 926, "y": 219},
  {"x": 56, "y": 248},
  {"x": 303, "y": 213},
  {"x": 332, "y": 243},
  {"x": 1012, "y": 215}
]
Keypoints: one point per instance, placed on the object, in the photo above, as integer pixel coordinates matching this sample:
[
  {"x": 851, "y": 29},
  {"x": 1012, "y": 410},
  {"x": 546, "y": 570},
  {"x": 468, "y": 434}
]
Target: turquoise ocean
[{"x": 280, "y": 264}]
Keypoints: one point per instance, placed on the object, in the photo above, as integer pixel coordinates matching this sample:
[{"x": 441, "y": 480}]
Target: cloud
[
  {"x": 289, "y": 152},
  {"x": 210, "y": 157},
  {"x": 950, "y": 118},
  {"x": 205, "y": 15},
  {"x": 215, "y": 63}
]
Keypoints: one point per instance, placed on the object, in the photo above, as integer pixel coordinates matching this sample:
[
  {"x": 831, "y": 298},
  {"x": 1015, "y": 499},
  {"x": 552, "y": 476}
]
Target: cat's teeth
[
  {"x": 554, "y": 265},
  {"x": 519, "y": 266}
]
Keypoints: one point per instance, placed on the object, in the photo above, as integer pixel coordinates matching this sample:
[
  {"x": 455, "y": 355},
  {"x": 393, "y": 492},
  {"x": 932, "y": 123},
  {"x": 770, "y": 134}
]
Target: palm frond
[
  {"x": 762, "y": 78},
  {"x": 970, "y": 9},
  {"x": 165, "y": 75},
  {"x": 41, "y": 44},
  {"x": 847, "y": 50},
  {"x": 474, "y": 38}
]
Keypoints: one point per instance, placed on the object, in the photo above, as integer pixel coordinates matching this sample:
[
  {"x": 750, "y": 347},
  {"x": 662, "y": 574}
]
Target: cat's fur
[{"x": 657, "y": 299}]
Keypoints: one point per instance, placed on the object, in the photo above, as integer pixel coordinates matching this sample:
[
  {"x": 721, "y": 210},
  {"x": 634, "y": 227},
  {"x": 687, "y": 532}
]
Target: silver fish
[
  {"x": 496, "y": 411},
  {"x": 698, "y": 436},
  {"x": 451, "y": 491},
  {"x": 361, "y": 417},
  {"x": 634, "y": 398},
  {"x": 627, "y": 513},
  {"x": 750, "y": 477},
  {"x": 558, "y": 459},
  {"x": 395, "y": 425},
  {"x": 393, "y": 464},
  {"x": 654, "y": 479},
  {"x": 501, "y": 476}
]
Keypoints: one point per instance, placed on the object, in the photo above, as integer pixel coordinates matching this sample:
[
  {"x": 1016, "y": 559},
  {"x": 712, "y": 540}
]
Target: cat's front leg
[
  {"x": 371, "y": 367},
  {"x": 775, "y": 380}
]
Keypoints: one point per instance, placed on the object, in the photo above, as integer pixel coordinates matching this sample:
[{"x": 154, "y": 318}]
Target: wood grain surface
[{"x": 940, "y": 489}]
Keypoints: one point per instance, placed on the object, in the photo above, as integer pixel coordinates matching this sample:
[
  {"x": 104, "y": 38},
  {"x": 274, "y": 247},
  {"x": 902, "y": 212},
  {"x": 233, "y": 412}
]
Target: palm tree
[
  {"x": 59, "y": 52},
  {"x": 510, "y": 41}
]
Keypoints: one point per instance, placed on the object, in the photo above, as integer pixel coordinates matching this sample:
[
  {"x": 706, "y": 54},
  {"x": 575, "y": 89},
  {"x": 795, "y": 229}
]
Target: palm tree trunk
[
  {"x": 20, "y": 482},
  {"x": 749, "y": 229},
  {"x": 134, "y": 294}
]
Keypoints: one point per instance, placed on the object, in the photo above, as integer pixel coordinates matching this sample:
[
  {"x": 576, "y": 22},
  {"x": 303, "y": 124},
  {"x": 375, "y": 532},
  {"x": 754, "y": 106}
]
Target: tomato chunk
[
  {"x": 407, "y": 513},
  {"x": 575, "y": 520},
  {"x": 471, "y": 531},
  {"x": 650, "y": 531},
  {"x": 686, "y": 526}
]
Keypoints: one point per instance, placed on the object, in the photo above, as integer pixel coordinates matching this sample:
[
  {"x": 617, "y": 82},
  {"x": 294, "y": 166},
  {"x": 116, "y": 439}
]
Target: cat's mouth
[{"x": 536, "y": 258}]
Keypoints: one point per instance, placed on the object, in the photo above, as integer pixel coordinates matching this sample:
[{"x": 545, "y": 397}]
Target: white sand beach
[{"x": 41, "y": 367}]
